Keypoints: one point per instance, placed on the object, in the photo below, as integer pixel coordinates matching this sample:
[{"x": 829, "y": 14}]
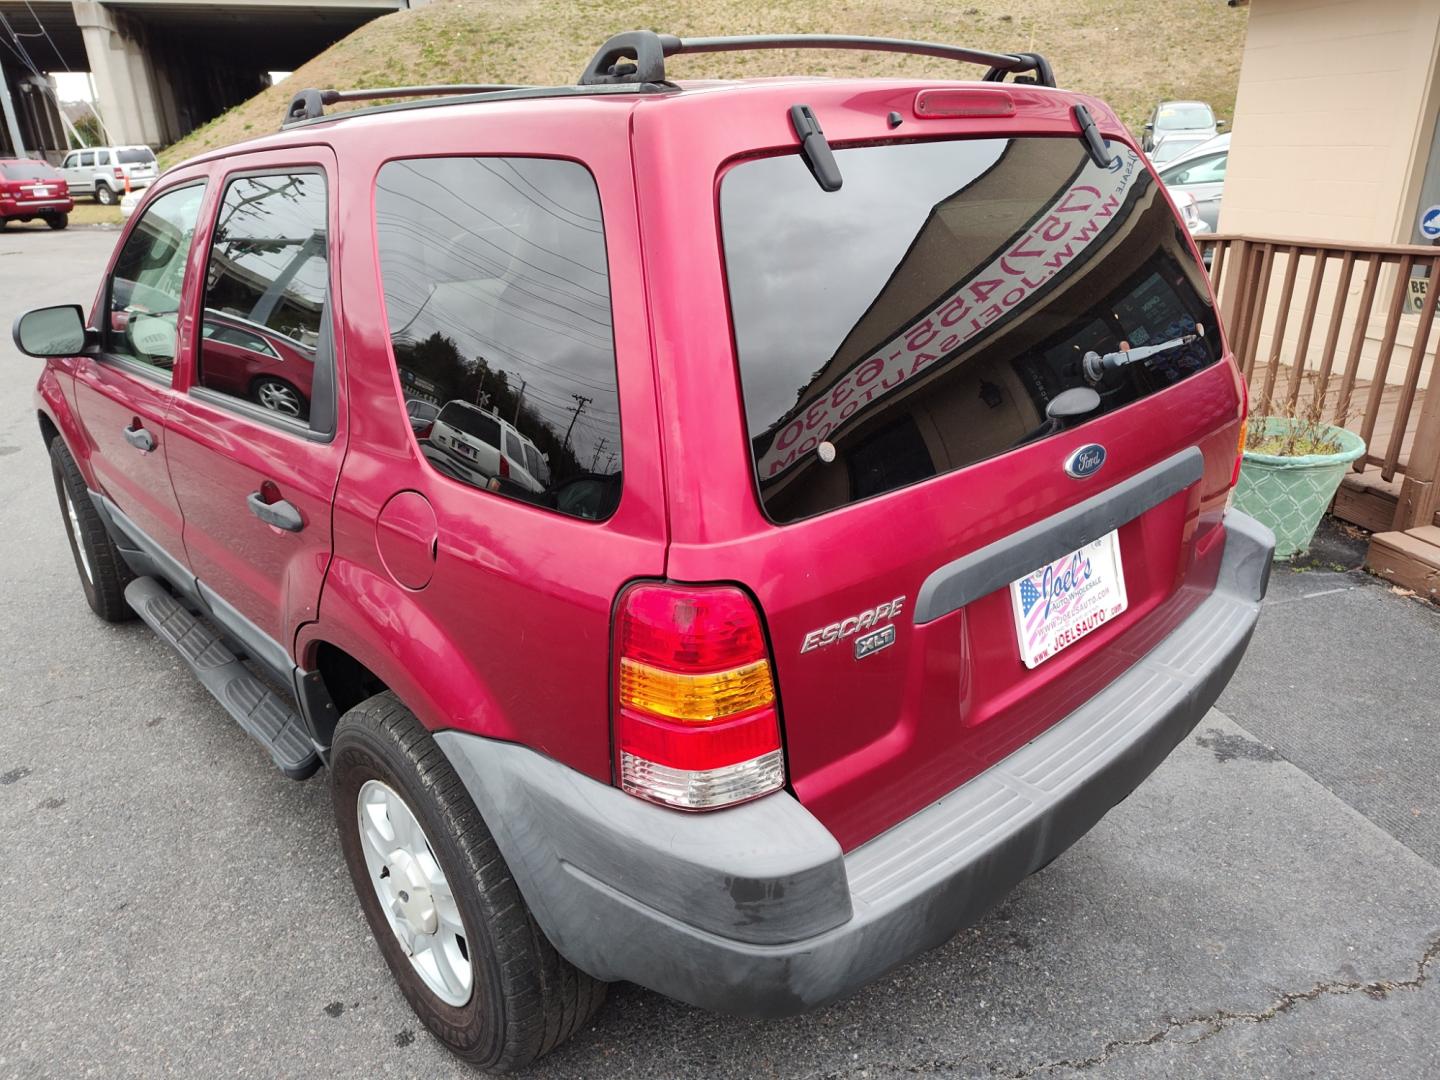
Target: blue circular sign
[{"x": 1430, "y": 223}]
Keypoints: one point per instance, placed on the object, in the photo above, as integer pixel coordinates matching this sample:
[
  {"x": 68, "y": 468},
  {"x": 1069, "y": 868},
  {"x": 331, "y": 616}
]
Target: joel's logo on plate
[{"x": 1085, "y": 461}]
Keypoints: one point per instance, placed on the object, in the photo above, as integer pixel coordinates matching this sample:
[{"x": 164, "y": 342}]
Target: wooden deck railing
[{"x": 1309, "y": 352}]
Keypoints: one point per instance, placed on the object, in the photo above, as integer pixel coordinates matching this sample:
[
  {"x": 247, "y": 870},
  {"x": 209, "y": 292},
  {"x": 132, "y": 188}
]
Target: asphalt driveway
[{"x": 1268, "y": 904}]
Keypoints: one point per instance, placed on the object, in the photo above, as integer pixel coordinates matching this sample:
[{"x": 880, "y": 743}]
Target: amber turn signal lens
[{"x": 696, "y": 698}]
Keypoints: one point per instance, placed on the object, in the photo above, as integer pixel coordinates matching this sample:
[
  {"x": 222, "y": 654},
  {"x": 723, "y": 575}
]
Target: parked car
[
  {"x": 102, "y": 171},
  {"x": 250, "y": 360},
  {"x": 1192, "y": 122},
  {"x": 881, "y": 544},
  {"x": 422, "y": 416},
  {"x": 33, "y": 189},
  {"x": 1201, "y": 175},
  {"x": 129, "y": 203}
]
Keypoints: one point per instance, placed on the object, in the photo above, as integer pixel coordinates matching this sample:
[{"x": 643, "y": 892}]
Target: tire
[
  {"x": 524, "y": 999},
  {"x": 105, "y": 195},
  {"x": 280, "y": 397},
  {"x": 58, "y": 221},
  {"x": 103, "y": 572}
]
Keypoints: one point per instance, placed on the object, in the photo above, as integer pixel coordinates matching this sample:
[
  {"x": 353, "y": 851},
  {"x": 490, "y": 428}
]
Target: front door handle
[
  {"x": 281, "y": 513},
  {"x": 139, "y": 438}
]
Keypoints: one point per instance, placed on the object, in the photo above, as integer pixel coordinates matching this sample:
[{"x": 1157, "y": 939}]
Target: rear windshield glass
[
  {"x": 472, "y": 422},
  {"x": 927, "y": 314},
  {"x": 28, "y": 170},
  {"x": 135, "y": 157}
]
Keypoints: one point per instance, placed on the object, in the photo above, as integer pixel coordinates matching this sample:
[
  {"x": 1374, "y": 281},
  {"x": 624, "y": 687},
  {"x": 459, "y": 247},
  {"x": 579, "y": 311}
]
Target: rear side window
[
  {"x": 923, "y": 317},
  {"x": 498, "y": 300}
]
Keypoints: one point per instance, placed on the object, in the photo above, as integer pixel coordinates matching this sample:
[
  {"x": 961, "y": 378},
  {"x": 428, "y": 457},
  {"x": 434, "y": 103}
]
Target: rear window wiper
[
  {"x": 1099, "y": 153},
  {"x": 814, "y": 149},
  {"x": 1096, "y": 367}
]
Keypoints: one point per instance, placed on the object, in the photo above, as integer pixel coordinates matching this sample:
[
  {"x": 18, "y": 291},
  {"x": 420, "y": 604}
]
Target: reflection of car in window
[{"x": 251, "y": 361}]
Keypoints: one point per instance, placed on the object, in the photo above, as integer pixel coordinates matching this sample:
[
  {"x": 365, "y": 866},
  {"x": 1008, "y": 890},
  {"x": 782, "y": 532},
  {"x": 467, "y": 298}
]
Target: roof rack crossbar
[
  {"x": 639, "y": 55},
  {"x": 310, "y": 104}
]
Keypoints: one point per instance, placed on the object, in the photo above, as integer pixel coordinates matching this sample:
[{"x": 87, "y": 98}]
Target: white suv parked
[{"x": 102, "y": 170}]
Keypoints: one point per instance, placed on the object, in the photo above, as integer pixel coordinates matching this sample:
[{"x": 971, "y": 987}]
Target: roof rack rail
[
  {"x": 310, "y": 104},
  {"x": 638, "y": 56}
]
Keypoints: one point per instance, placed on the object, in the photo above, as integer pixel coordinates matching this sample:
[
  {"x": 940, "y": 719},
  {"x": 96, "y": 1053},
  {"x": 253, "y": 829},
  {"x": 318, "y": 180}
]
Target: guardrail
[{"x": 1318, "y": 344}]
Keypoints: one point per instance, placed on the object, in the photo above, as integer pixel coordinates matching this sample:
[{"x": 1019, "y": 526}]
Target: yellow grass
[{"x": 1132, "y": 53}]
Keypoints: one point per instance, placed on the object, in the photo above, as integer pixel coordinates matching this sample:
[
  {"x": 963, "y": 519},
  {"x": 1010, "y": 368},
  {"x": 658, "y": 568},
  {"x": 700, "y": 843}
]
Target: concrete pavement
[{"x": 1266, "y": 905}]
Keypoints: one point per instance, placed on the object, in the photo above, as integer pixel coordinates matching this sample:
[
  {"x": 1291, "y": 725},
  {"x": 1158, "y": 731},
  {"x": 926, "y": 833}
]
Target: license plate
[
  {"x": 1058, "y": 604},
  {"x": 42, "y": 191}
]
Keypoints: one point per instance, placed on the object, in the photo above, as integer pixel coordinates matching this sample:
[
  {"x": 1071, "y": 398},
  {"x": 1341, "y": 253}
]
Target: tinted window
[
  {"x": 138, "y": 156},
  {"x": 87, "y": 159},
  {"x": 498, "y": 297},
  {"x": 470, "y": 420},
  {"x": 28, "y": 170},
  {"x": 265, "y": 291},
  {"x": 924, "y": 316},
  {"x": 145, "y": 289}
]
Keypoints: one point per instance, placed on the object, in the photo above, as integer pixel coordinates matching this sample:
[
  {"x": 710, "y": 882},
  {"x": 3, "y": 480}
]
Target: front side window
[
  {"x": 266, "y": 288},
  {"x": 143, "y": 297},
  {"x": 924, "y": 317},
  {"x": 498, "y": 300}
]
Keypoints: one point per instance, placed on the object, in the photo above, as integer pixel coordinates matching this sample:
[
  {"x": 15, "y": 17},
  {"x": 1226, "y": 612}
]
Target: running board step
[{"x": 266, "y": 716}]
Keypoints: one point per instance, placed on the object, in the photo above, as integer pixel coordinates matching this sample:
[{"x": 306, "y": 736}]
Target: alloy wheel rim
[
  {"x": 75, "y": 538},
  {"x": 414, "y": 893},
  {"x": 279, "y": 398}
]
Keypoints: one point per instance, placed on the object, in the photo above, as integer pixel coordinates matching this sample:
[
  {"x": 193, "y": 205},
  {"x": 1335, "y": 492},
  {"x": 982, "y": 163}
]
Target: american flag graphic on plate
[{"x": 1062, "y": 601}]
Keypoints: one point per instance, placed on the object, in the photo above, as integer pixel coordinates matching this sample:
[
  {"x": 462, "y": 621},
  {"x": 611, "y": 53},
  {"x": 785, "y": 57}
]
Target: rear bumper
[
  {"x": 36, "y": 207},
  {"x": 756, "y": 911}
]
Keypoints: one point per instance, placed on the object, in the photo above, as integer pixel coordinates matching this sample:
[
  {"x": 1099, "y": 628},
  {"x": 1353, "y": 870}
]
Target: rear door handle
[
  {"x": 281, "y": 513},
  {"x": 140, "y": 439}
]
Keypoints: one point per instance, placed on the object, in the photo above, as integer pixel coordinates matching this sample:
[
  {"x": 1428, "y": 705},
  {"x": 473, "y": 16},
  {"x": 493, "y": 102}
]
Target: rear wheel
[
  {"x": 58, "y": 221},
  {"x": 447, "y": 915},
  {"x": 103, "y": 572},
  {"x": 104, "y": 195}
]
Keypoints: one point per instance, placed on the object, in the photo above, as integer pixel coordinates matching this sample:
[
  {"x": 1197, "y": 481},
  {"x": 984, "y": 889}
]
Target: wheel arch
[
  {"x": 57, "y": 420},
  {"x": 373, "y": 632}
]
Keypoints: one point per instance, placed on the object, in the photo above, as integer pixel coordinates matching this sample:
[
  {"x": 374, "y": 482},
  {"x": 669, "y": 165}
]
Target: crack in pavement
[{"x": 1213, "y": 1024}]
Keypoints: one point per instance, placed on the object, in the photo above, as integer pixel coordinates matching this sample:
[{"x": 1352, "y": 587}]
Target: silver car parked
[
  {"x": 1189, "y": 122},
  {"x": 103, "y": 171},
  {"x": 1201, "y": 174}
]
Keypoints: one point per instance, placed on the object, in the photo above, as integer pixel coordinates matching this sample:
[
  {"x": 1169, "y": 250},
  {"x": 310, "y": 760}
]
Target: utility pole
[
  {"x": 518, "y": 399},
  {"x": 580, "y": 402},
  {"x": 599, "y": 449}
]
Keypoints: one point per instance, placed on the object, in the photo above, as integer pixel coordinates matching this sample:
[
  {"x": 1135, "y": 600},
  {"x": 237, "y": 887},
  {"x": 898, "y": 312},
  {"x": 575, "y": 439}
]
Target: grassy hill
[{"x": 1129, "y": 52}]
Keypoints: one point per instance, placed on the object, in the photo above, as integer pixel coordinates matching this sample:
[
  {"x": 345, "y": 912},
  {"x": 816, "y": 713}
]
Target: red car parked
[
  {"x": 33, "y": 189},
  {"x": 918, "y": 561}
]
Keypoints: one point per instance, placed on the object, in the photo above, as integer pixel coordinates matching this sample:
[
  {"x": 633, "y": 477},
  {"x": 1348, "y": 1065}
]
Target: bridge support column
[{"x": 125, "y": 81}]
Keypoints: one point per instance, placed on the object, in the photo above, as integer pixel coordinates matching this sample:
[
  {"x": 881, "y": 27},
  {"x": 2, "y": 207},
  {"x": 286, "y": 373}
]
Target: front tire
[
  {"x": 438, "y": 896},
  {"x": 105, "y": 196},
  {"x": 103, "y": 572}
]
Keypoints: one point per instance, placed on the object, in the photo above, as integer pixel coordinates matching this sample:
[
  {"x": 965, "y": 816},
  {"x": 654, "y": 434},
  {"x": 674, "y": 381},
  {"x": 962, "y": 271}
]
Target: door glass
[
  {"x": 102, "y": 157},
  {"x": 498, "y": 298},
  {"x": 144, "y": 291},
  {"x": 87, "y": 160},
  {"x": 265, "y": 292}
]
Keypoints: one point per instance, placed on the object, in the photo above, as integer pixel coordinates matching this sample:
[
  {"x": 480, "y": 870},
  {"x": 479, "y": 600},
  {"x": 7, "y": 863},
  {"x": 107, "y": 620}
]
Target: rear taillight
[
  {"x": 504, "y": 467},
  {"x": 696, "y": 721},
  {"x": 119, "y": 173},
  {"x": 426, "y": 431}
]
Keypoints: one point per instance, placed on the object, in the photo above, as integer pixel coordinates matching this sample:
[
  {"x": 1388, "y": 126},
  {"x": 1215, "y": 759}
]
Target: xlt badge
[{"x": 855, "y": 624}]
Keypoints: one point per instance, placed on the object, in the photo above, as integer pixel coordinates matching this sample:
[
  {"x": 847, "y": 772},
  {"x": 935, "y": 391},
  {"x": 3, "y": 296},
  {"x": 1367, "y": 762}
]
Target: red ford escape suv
[{"x": 872, "y": 541}]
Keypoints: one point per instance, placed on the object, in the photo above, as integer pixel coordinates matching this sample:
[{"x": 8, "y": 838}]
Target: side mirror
[
  {"x": 51, "y": 331},
  {"x": 1220, "y": 124},
  {"x": 1149, "y": 127}
]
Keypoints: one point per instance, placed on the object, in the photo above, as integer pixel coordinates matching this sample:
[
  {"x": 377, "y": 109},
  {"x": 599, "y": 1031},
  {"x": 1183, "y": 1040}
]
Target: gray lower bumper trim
[{"x": 755, "y": 911}]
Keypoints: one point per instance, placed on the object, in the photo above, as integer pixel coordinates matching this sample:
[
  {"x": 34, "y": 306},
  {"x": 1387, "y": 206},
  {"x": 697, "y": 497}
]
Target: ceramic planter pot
[{"x": 1290, "y": 494}]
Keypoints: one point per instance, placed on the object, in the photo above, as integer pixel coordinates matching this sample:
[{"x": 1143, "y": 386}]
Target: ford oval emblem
[{"x": 1085, "y": 461}]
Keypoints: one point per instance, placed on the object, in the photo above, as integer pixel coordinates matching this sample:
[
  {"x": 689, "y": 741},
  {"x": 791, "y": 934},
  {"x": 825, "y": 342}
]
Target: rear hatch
[{"x": 990, "y": 430}]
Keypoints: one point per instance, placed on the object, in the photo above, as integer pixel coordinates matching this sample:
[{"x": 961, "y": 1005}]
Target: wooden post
[
  {"x": 1231, "y": 286},
  {"x": 1416, "y": 506}
]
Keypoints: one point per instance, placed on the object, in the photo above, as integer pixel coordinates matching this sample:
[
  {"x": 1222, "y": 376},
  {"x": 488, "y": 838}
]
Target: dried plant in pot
[{"x": 1292, "y": 464}]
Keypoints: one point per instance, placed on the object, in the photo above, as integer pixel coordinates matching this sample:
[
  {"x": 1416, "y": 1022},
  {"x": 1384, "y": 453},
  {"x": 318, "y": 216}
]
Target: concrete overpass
[{"x": 160, "y": 67}]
